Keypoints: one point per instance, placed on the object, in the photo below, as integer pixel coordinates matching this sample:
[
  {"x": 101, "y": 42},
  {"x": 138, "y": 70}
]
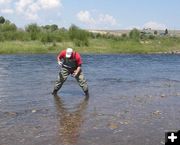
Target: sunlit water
[{"x": 134, "y": 99}]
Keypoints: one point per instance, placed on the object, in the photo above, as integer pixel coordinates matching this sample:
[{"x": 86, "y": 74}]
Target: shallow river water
[{"x": 134, "y": 100}]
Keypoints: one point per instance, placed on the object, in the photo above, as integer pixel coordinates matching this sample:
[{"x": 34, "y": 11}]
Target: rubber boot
[
  {"x": 54, "y": 92},
  {"x": 86, "y": 93}
]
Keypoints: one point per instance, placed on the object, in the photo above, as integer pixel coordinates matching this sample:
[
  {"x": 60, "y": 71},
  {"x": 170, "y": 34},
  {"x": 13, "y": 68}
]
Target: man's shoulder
[
  {"x": 77, "y": 55},
  {"x": 63, "y": 52}
]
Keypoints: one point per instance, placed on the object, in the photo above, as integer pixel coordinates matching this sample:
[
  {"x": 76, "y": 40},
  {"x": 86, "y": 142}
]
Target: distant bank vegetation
[
  {"x": 52, "y": 37},
  {"x": 44, "y": 34}
]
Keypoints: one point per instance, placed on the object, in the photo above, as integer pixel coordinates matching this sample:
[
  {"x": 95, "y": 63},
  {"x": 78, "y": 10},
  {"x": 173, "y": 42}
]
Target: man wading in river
[{"x": 70, "y": 63}]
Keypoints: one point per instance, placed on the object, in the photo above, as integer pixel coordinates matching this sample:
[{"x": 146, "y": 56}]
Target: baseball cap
[{"x": 69, "y": 52}]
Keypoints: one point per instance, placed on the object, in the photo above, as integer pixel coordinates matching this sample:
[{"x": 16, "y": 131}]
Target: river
[{"x": 134, "y": 100}]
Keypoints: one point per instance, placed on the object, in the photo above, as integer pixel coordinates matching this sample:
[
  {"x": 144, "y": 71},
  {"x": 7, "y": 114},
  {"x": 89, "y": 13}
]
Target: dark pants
[{"x": 63, "y": 74}]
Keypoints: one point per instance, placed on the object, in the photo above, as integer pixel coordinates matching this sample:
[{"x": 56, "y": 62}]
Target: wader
[{"x": 69, "y": 65}]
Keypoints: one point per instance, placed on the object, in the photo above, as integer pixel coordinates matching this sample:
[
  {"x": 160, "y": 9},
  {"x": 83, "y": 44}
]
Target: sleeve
[
  {"x": 78, "y": 59},
  {"x": 61, "y": 55}
]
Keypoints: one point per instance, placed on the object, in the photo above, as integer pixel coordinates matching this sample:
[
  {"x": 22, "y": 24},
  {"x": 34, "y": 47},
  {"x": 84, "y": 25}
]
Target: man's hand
[
  {"x": 75, "y": 73},
  {"x": 60, "y": 63}
]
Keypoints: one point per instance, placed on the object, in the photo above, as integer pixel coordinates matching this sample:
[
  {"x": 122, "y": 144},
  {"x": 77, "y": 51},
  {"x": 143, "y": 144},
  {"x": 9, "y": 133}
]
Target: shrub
[
  {"x": 33, "y": 30},
  {"x": 2, "y": 20},
  {"x": 1, "y": 37},
  {"x": 78, "y": 36},
  {"x": 134, "y": 34},
  {"x": 7, "y": 26},
  {"x": 151, "y": 36}
]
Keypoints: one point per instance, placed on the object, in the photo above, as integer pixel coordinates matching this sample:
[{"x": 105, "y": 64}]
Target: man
[{"x": 71, "y": 62}]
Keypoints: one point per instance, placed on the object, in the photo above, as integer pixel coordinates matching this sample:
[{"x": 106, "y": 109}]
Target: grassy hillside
[
  {"x": 51, "y": 39},
  {"x": 98, "y": 46}
]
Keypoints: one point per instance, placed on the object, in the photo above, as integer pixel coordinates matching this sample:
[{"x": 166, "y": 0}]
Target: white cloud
[
  {"x": 107, "y": 19},
  {"x": 96, "y": 20},
  {"x": 22, "y": 5},
  {"x": 154, "y": 25},
  {"x": 28, "y": 8},
  {"x": 48, "y": 4},
  {"x": 7, "y": 11},
  {"x": 32, "y": 16},
  {"x": 85, "y": 17},
  {"x": 31, "y": 8},
  {"x": 5, "y": 1}
]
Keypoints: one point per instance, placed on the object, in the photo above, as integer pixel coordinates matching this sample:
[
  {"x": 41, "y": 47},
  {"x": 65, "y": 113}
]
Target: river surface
[{"x": 134, "y": 100}]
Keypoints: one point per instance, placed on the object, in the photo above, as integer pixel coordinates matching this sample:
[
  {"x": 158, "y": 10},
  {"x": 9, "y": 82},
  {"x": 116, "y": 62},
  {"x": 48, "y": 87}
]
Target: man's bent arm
[{"x": 77, "y": 71}]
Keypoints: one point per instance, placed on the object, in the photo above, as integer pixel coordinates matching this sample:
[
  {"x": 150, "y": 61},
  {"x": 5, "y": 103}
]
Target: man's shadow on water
[{"x": 70, "y": 120}]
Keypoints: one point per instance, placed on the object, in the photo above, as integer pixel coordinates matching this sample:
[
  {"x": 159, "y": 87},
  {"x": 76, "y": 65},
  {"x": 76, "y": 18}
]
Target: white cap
[{"x": 69, "y": 52}]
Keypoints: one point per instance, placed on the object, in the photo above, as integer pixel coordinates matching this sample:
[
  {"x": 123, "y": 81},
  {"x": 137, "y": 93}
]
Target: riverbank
[{"x": 98, "y": 46}]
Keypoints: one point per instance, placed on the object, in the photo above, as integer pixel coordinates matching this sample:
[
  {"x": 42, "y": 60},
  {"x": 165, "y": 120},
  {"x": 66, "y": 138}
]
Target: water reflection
[{"x": 70, "y": 120}]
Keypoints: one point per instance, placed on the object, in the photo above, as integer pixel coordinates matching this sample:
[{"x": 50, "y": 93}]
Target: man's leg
[
  {"x": 82, "y": 83},
  {"x": 63, "y": 74}
]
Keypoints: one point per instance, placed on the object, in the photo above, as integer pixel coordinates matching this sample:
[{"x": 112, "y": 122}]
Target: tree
[
  {"x": 124, "y": 36},
  {"x": 34, "y": 30},
  {"x": 155, "y": 32},
  {"x": 50, "y": 28},
  {"x": 79, "y": 36},
  {"x": 54, "y": 27},
  {"x": 7, "y": 26},
  {"x": 73, "y": 31},
  {"x": 2, "y": 20},
  {"x": 134, "y": 34},
  {"x": 166, "y": 32},
  {"x": 47, "y": 27}
]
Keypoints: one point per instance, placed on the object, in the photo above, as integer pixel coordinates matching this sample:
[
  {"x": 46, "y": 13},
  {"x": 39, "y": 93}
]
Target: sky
[{"x": 94, "y": 14}]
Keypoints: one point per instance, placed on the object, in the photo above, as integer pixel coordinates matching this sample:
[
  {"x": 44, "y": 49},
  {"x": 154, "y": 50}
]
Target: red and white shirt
[{"x": 75, "y": 55}]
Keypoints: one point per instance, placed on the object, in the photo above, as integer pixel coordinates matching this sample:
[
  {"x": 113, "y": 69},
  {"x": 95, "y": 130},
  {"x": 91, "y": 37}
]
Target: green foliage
[
  {"x": 50, "y": 38},
  {"x": 73, "y": 30},
  {"x": 33, "y": 30},
  {"x": 2, "y": 20},
  {"x": 50, "y": 28},
  {"x": 80, "y": 43},
  {"x": 78, "y": 36},
  {"x": 22, "y": 35},
  {"x": 155, "y": 32},
  {"x": 99, "y": 35},
  {"x": 1, "y": 37},
  {"x": 134, "y": 34},
  {"x": 151, "y": 37},
  {"x": 46, "y": 38},
  {"x": 166, "y": 32},
  {"x": 7, "y": 27},
  {"x": 54, "y": 27},
  {"x": 124, "y": 35},
  {"x": 7, "y": 31}
]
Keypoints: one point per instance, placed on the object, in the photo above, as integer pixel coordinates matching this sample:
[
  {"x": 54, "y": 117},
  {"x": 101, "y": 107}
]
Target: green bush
[
  {"x": 7, "y": 26},
  {"x": 151, "y": 37},
  {"x": 80, "y": 43},
  {"x": 21, "y": 35},
  {"x": 2, "y": 20},
  {"x": 1, "y": 37},
  {"x": 46, "y": 38},
  {"x": 78, "y": 36},
  {"x": 134, "y": 34},
  {"x": 33, "y": 30}
]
